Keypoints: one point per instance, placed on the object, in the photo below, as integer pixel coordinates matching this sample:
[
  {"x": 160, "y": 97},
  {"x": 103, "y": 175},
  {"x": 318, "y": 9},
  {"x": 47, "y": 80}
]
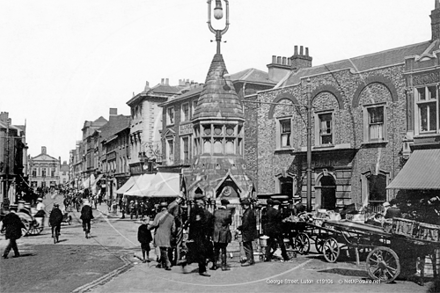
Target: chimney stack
[
  {"x": 301, "y": 60},
  {"x": 43, "y": 150},
  {"x": 113, "y": 113},
  {"x": 435, "y": 21}
]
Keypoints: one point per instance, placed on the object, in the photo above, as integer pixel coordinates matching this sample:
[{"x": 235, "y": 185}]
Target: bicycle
[{"x": 55, "y": 234}]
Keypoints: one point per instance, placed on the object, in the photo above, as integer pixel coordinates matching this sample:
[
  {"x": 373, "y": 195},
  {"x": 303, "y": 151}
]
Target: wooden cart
[{"x": 382, "y": 262}]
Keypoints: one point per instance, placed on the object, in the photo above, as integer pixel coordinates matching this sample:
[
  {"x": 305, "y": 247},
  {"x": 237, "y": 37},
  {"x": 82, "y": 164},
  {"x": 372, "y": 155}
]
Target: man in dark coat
[
  {"x": 273, "y": 230},
  {"x": 249, "y": 231},
  {"x": 86, "y": 217},
  {"x": 393, "y": 211},
  {"x": 12, "y": 225},
  {"x": 175, "y": 209},
  {"x": 55, "y": 219},
  {"x": 199, "y": 229},
  {"x": 222, "y": 235},
  {"x": 165, "y": 226}
]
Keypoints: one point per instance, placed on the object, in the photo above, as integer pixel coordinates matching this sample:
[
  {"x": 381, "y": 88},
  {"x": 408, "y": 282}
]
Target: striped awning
[{"x": 422, "y": 171}]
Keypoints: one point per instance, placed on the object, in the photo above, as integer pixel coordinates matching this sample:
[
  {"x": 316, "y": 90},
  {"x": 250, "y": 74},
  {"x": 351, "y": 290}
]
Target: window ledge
[
  {"x": 284, "y": 150},
  {"x": 329, "y": 146},
  {"x": 373, "y": 143}
]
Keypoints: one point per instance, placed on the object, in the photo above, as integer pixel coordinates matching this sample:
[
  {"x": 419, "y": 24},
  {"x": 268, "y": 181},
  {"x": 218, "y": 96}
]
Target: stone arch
[
  {"x": 374, "y": 79},
  {"x": 319, "y": 187},
  {"x": 283, "y": 96},
  {"x": 332, "y": 90}
]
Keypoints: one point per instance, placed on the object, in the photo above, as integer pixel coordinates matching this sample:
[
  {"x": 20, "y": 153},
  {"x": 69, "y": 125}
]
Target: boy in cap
[
  {"x": 144, "y": 238},
  {"x": 222, "y": 235}
]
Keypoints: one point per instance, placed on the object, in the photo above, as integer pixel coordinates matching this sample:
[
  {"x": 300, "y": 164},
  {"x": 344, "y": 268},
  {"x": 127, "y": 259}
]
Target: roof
[
  {"x": 362, "y": 63},
  {"x": 421, "y": 171},
  {"x": 252, "y": 75},
  {"x": 115, "y": 124},
  {"x": 159, "y": 90},
  {"x": 218, "y": 98}
]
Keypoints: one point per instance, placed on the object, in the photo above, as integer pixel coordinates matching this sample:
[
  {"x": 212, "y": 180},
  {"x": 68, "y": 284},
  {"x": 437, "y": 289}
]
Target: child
[{"x": 144, "y": 237}]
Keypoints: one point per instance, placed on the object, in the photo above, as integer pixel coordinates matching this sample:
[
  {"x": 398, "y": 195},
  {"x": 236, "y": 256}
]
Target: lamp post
[
  {"x": 218, "y": 14},
  {"x": 309, "y": 146}
]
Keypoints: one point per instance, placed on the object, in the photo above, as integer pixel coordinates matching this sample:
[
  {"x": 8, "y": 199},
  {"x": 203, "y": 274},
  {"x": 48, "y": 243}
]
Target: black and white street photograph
[{"x": 219, "y": 146}]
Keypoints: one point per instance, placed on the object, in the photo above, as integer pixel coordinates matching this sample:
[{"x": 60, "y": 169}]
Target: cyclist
[
  {"x": 55, "y": 219},
  {"x": 86, "y": 217}
]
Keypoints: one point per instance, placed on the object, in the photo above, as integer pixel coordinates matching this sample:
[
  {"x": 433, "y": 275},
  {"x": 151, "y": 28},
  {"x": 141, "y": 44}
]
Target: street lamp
[{"x": 218, "y": 14}]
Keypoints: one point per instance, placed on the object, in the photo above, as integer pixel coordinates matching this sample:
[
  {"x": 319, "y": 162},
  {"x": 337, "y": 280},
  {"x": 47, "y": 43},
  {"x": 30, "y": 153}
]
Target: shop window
[
  {"x": 377, "y": 188},
  {"x": 427, "y": 109}
]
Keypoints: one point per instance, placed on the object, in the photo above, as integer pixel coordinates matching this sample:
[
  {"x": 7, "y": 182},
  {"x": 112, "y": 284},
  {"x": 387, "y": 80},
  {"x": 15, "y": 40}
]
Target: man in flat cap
[
  {"x": 175, "y": 209},
  {"x": 164, "y": 225},
  {"x": 199, "y": 232},
  {"x": 273, "y": 230},
  {"x": 249, "y": 231},
  {"x": 222, "y": 235}
]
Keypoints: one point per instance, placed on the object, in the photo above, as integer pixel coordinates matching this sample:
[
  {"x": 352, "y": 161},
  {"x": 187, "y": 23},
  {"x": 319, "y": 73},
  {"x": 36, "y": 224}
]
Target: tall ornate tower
[{"x": 218, "y": 168}]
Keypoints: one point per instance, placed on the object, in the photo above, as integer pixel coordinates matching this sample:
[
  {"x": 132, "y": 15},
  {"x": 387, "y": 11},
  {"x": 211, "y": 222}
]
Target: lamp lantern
[{"x": 218, "y": 10}]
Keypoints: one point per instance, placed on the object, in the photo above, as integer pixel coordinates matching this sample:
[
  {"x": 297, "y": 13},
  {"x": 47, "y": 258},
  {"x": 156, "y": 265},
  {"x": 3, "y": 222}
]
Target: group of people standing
[{"x": 208, "y": 234}]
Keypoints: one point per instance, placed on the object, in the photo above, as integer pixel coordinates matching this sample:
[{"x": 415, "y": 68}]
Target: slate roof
[
  {"x": 358, "y": 64},
  {"x": 252, "y": 75},
  {"x": 114, "y": 125},
  {"x": 218, "y": 98}
]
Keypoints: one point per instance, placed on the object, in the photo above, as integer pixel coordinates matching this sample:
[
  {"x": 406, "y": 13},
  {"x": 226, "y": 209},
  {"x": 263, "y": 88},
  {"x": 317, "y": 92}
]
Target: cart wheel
[
  {"x": 302, "y": 243},
  {"x": 319, "y": 242},
  {"x": 383, "y": 264},
  {"x": 330, "y": 249},
  {"x": 26, "y": 223},
  {"x": 35, "y": 228}
]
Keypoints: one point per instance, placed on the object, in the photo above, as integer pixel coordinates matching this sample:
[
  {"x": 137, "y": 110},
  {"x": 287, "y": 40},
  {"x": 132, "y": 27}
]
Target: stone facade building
[
  {"x": 44, "y": 170},
  {"x": 358, "y": 128}
]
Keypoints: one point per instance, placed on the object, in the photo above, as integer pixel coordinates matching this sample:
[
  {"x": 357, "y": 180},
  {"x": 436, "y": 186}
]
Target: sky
[{"x": 64, "y": 62}]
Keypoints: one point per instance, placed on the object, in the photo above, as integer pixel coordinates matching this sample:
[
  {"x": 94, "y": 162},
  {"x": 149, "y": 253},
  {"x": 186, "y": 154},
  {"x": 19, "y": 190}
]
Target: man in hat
[
  {"x": 165, "y": 226},
  {"x": 175, "y": 209},
  {"x": 55, "y": 219},
  {"x": 86, "y": 217},
  {"x": 273, "y": 230},
  {"x": 199, "y": 228},
  {"x": 41, "y": 209},
  {"x": 222, "y": 235},
  {"x": 298, "y": 206},
  {"x": 12, "y": 225},
  {"x": 248, "y": 230}
]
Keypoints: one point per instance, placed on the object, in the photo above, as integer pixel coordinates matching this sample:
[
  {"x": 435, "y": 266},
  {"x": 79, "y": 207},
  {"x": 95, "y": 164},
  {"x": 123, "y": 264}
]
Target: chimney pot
[
  {"x": 307, "y": 51},
  {"x": 162, "y": 81},
  {"x": 274, "y": 59},
  {"x": 301, "y": 50},
  {"x": 278, "y": 59},
  {"x": 296, "y": 50}
]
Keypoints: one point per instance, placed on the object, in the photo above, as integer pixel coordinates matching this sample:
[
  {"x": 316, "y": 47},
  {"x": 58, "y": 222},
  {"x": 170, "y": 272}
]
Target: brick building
[{"x": 359, "y": 124}]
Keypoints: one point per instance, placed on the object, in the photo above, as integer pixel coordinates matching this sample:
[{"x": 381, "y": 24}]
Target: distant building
[
  {"x": 44, "y": 170},
  {"x": 64, "y": 173},
  {"x": 13, "y": 159}
]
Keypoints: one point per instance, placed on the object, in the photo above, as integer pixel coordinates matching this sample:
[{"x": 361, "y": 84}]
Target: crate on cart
[
  {"x": 429, "y": 232},
  {"x": 405, "y": 227}
]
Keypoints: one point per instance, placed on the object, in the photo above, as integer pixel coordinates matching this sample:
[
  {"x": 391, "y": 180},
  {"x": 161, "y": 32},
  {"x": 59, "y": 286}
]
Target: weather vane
[{"x": 218, "y": 14}]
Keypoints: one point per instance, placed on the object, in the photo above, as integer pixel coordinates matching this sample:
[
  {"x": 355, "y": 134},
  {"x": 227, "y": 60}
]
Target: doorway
[{"x": 328, "y": 193}]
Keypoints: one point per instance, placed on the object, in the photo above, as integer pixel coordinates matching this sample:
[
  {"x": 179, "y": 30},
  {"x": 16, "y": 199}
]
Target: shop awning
[
  {"x": 141, "y": 186},
  {"x": 422, "y": 171},
  {"x": 127, "y": 185},
  {"x": 164, "y": 185}
]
